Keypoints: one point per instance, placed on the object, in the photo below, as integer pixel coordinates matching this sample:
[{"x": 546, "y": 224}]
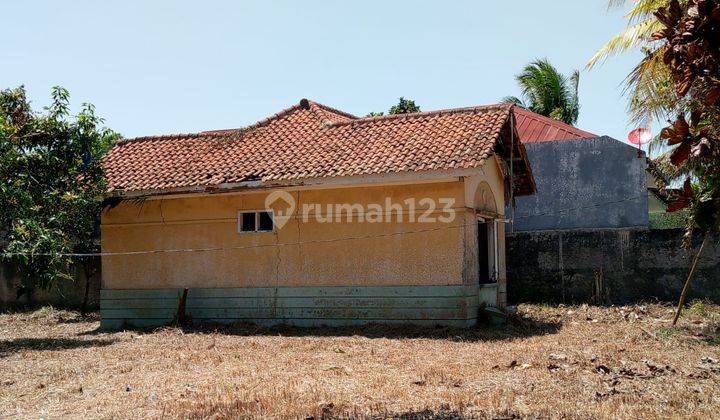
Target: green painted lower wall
[
  {"x": 138, "y": 308},
  {"x": 301, "y": 306},
  {"x": 488, "y": 294}
]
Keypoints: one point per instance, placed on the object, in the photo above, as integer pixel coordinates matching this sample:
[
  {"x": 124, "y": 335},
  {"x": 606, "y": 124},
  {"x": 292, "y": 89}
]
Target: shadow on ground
[
  {"x": 515, "y": 327},
  {"x": 238, "y": 409},
  {"x": 8, "y": 347}
]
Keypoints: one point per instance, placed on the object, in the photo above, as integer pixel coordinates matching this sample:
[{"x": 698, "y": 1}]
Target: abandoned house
[{"x": 308, "y": 218}]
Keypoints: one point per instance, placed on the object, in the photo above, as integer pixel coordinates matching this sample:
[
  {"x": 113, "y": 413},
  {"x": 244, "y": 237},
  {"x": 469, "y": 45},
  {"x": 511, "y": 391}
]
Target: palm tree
[
  {"x": 649, "y": 86},
  {"x": 547, "y": 92}
]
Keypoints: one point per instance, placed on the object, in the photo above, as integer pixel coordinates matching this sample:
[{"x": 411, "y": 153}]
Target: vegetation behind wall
[{"x": 63, "y": 294}]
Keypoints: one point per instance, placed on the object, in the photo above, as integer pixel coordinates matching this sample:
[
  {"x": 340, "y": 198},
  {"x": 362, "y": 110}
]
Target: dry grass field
[{"x": 573, "y": 362}]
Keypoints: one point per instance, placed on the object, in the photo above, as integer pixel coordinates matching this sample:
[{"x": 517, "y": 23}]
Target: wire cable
[{"x": 321, "y": 241}]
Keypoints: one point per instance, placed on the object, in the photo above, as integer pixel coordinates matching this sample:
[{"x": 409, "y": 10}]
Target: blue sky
[{"x": 153, "y": 67}]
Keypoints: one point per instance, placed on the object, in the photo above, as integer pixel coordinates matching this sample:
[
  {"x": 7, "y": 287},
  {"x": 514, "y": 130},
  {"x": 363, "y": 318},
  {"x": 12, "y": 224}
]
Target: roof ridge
[
  {"x": 331, "y": 109},
  {"x": 312, "y": 105},
  {"x": 172, "y": 136},
  {"x": 265, "y": 121},
  {"x": 426, "y": 113},
  {"x": 530, "y": 114},
  {"x": 298, "y": 144},
  {"x": 227, "y": 132}
]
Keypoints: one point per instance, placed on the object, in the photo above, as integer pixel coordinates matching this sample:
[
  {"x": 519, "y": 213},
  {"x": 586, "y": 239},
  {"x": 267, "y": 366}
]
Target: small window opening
[
  {"x": 255, "y": 221},
  {"x": 265, "y": 221}
]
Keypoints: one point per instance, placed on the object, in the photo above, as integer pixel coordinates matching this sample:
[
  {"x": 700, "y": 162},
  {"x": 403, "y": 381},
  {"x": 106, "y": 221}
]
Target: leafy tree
[
  {"x": 375, "y": 114},
  {"x": 690, "y": 37},
  {"x": 547, "y": 92},
  {"x": 404, "y": 106},
  {"x": 51, "y": 182}
]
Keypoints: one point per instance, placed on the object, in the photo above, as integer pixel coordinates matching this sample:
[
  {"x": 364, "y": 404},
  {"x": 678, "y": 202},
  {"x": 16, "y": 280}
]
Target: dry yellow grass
[{"x": 574, "y": 362}]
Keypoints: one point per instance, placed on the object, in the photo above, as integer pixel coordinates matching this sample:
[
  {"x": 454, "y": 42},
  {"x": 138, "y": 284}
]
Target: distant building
[
  {"x": 584, "y": 181},
  {"x": 594, "y": 183}
]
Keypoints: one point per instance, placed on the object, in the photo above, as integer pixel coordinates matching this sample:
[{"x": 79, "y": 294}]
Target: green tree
[
  {"x": 375, "y": 114},
  {"x": 688, "y": 35},
  {"x": 404, "y": 106},
  {"x": 547, "y": 92},
  {"x": 51, "y": 184}
]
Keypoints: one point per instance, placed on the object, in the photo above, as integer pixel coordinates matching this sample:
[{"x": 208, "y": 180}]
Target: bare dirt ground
[{"x": 573, "y": 362}]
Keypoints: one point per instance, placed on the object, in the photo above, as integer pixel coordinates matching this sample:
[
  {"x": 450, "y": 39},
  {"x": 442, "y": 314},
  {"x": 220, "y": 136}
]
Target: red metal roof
[{"x": 534, "y": 128}]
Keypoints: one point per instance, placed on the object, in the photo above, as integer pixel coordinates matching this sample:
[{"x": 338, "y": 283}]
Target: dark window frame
[{"x": 256, "y": 213}]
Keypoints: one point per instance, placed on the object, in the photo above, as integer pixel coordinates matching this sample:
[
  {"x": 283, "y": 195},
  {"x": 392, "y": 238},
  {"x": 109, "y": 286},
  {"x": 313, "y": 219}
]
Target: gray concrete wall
[
  {"x": 584, "y": 184},
  {"x": 63, "y": 294},
  {"x": 608, "y": 266}
]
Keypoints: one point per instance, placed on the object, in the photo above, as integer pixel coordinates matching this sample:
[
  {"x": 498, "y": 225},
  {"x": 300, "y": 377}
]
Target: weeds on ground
[
  {"x": 548, "y": 361},
  {"x": 697, "y": 308}
]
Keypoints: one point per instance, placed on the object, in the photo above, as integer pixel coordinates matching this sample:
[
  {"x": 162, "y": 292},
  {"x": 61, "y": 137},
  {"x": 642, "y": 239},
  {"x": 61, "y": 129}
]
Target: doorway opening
[
  {"x": 483, "y": 236},
  {"x": 488, "y": 258}
]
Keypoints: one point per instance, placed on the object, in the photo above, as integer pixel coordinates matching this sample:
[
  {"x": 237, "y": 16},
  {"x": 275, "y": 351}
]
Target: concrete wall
[
  {"x": 303, "y": 254},
  {"x": 63, "y": 294},
  {"x": 608, "y": 266},
  {"x": 584, "y": 184}
]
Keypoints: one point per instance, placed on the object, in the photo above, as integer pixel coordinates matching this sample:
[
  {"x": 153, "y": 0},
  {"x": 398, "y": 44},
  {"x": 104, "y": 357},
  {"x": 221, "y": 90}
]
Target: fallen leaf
[
  {"x": 602, "y": 369},
  {"x": 525, "y": 366}
]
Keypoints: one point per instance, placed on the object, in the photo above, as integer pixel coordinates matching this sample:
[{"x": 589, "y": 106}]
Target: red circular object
[{"x": 640, "y": 136}]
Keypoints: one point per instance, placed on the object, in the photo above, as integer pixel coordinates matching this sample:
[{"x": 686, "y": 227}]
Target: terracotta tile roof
[
  {"x": 534, "y": 128},
  {"x": 310, "y": 140}
]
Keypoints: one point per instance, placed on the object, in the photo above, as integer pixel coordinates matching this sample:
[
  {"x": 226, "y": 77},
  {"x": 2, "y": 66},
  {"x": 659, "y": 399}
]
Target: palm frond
[
  {"x": 612, "y": 4},
  {"x": 513, "y": 100},
  {"x": 632, "y": 36},
  {"x": 573, "y": 107},
  {"x": 548, "y": 92},
  {"x": 650, "y": 91},
  {"x": 657, "y": 146},
  {"x": 644, "y": 9},
  {"x": 674, "y": 175}
]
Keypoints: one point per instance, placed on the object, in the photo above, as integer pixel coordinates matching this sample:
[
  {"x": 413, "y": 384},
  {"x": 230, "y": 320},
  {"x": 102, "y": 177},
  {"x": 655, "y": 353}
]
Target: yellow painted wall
[
  {"x": 323, "y": 256},
  {"x": 492, "y": 178},
  {"x": 302, "y": 253}
]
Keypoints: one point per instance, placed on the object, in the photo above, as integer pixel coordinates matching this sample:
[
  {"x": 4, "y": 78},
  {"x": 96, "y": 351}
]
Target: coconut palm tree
[
  {"x": 547, "y": 92},
  {"x": 649, "y": 86}
]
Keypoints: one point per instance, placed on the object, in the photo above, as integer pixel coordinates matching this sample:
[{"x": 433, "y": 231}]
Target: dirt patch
[{"x": 575, "y": 361}]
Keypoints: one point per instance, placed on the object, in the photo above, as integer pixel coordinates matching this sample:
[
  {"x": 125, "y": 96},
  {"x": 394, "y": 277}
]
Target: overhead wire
[{"x": 296, "y": 243}]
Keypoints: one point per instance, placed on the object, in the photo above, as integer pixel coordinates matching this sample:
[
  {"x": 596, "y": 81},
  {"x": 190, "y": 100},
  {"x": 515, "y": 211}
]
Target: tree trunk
[
  {"x": 685, "y": 289},
  {"x": 86, "y": 297}
]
